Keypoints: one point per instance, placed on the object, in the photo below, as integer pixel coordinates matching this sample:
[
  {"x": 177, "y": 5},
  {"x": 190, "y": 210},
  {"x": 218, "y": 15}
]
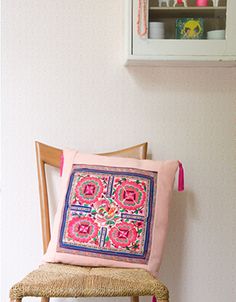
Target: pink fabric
[{"x": 166, "y": 174}]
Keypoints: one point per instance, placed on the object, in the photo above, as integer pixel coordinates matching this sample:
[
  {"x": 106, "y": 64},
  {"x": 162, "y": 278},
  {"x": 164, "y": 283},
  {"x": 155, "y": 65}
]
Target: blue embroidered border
[{"x": 100, "y": 251}]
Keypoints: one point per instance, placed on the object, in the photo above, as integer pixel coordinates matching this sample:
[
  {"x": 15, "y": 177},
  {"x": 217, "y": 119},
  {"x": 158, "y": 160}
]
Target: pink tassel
[
  {"x": 154, "y": 299},
  {"x": 181, "y": 178},
  {"x": 61, "y": 164}
]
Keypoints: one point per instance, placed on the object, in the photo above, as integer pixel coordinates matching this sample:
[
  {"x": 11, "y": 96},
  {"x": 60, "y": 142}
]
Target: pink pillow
[{"x": 113, "y": 212}]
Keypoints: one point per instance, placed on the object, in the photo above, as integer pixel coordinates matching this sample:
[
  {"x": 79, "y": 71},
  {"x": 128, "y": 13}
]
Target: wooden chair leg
[
  {"x": 135, "y": 299},
  {"x": 44, "y": 299}
]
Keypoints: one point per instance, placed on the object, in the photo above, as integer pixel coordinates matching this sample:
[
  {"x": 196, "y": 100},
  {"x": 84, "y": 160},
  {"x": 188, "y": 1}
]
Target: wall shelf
[
  {"x": 189, "y": 8},
  {"x": 171, "y": 47},
  {"x": 187, "y": 11}
]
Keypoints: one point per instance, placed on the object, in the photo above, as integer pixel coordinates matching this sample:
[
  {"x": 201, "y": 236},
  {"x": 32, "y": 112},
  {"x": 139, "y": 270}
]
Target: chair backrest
[{"x": 47, "y": 155}]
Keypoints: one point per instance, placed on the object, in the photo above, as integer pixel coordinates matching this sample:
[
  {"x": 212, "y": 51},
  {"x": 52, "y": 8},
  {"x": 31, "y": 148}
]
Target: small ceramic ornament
[
  {"x": 215, "y": 3},
  {"x": 184, "y": 2},
  {"x": 164, "y": 1},
  {"x": 201, "y": 2}
]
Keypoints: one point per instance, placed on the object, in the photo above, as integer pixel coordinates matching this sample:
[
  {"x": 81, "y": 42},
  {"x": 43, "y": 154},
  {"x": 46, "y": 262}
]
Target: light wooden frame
[{"x": 47, "y": 155}]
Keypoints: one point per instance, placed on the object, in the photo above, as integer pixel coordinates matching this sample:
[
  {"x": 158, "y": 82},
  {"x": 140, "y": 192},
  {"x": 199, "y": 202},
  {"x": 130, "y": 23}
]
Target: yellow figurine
[{"x": 189, "y": 28}]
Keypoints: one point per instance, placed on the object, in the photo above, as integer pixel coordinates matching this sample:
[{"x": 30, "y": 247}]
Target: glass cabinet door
[
  {"x": 184, "y": 28},
  {"x": 195, "y": 19}
]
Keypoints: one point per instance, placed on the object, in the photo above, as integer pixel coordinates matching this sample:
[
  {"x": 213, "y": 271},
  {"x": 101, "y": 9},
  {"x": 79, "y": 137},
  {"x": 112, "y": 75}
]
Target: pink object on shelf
[{"x": 201, "y": 2}]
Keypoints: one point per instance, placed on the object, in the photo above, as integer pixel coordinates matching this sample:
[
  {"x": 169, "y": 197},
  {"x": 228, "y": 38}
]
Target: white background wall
[{"x": 64, "y": 84}]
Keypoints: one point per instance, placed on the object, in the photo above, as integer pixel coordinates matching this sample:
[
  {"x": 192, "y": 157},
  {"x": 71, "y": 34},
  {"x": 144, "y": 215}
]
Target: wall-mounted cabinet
[{"x": 195, "y": 32}]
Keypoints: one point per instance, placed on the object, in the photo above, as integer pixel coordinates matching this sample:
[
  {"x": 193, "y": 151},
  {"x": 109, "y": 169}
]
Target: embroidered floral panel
[{"x": 108, "y": 213}]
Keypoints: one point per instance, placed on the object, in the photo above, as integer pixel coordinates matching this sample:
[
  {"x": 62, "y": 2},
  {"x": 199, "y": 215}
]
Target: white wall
[{"x": 64, "y": 84}]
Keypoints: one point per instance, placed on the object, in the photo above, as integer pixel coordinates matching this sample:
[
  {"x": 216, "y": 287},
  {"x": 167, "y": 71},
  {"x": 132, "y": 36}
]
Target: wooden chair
[{"x": 59, "y": 280}]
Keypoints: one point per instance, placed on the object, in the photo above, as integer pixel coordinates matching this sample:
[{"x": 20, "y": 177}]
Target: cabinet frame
[{"x": 172, "y": 52}]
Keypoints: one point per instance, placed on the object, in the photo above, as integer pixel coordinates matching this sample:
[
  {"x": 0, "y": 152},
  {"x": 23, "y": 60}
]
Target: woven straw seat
[{"x": 59, "y": 280}]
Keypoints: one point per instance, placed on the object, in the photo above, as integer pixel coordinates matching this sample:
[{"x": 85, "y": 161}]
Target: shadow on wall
[
  {"x": 182, "y": 79},
  {"x": 172, "y": 269},
  {"x": 53, "y": 180}
]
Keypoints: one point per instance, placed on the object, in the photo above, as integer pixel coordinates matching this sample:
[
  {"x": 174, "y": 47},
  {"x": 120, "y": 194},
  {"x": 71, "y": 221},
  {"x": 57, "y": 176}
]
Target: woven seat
[{"x": 59, "y": 280}]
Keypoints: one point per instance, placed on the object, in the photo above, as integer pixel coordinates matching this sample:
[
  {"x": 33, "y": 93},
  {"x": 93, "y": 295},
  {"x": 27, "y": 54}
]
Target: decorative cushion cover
[{"x": 113, "y": 211}]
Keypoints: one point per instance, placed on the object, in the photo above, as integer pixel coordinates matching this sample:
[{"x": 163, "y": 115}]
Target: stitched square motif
[{"x": 108, "y": 213}]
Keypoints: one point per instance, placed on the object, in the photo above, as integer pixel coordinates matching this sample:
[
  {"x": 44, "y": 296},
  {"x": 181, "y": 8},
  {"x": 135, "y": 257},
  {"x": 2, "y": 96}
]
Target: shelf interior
[
  {"x": 213, "y": 18},
  {"x": 212, "y": 12}
]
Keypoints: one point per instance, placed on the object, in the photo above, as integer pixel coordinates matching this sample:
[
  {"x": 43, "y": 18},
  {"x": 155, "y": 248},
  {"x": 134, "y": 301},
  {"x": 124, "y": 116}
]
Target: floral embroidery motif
[
  {"x": 89, "y": 189},
  {"x": 108, "y": 213},
  {"x": 105, "y": 211},
  {"x": 82, "y": 229},
  {"x": 123, "y": 234},
  {"x": 130, "y": 195}
]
